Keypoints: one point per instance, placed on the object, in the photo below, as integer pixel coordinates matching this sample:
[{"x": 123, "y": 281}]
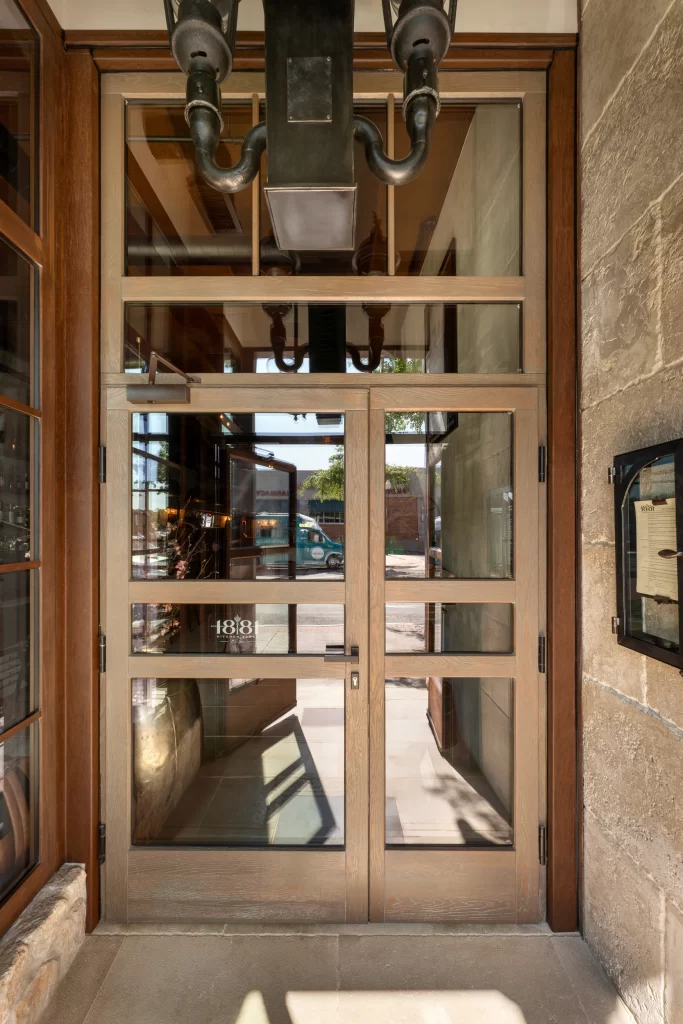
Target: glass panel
[
  {"x": 16, "y": 325},
  {"x": 223, "y": 496},
  {"x": 18, "y": 807},
  {"x": 175, "y": 222},
  {"x": 462, "y": 214},
  {"x": 18, "y": 112},
  {"x": 15, "y": 486},
  {"x": 236, "y": 628},
  {"x": 651, "y": 581},
  {"x": 17, "y": 697},
  {"x": 238, "y": 762},
  {"x": 448, "y": 504},
  {"x": 449, "y": 628},
  {"x": 449, "y": 762},
  {"x": 380, "y": 338}
]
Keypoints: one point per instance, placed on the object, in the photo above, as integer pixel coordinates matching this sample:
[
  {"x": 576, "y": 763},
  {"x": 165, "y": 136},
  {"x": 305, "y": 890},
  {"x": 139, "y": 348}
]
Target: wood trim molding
[
  {"x": 20, "y": 234},
  {"x": 79, "y": 330},
  {"x": 148, "y": 50},
  {"x": 563, "y": 803}
]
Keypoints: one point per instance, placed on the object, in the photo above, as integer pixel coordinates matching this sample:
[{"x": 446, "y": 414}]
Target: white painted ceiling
[{"x": 473, "y": 15}]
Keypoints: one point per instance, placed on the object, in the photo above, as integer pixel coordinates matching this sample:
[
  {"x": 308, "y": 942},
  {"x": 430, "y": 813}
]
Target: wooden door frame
[{"x": 556, "y": 55}]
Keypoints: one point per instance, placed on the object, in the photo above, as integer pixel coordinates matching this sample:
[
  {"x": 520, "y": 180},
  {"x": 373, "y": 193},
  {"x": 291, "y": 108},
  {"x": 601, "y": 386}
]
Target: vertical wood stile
[
  {"x": 534, "y": 231},
  {"x": 526, "y": 685},
  {"x": 356, "y": 701},
  {"x": 377, "y": 697},
  {"x": 116, "y": 683},
  {"x": 113, "y": 201},
  {"x": 255, "y": 200}
]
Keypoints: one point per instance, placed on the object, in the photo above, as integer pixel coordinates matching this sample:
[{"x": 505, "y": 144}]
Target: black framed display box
[{"x": 648, "y": 512}]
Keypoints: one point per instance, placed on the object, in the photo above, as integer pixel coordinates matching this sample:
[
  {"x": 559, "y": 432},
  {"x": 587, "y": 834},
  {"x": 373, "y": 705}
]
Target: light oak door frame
[
  {"x": 463, "y": 884},
  {"x": 175, "y": 884}
]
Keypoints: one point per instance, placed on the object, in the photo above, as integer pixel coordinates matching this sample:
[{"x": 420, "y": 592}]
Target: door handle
[{"x": 336, "y": 652}]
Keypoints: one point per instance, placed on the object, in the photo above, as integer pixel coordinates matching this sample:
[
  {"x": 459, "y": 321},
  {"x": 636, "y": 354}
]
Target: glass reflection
[
  {"x": 18, "y": 112},
  {"x": 448, "y": 504},
  {"x": 462, "y": 214},
  {"x": 651, "y": 581},
  {"x": 16, "y": 325},
  {"x": 449, "y": 628},
  {"x": 236, "y": 628},
  {"x": 15, "y": 486},
  {"x": 238, "y": 762},
  {"x": 243, "y": 496},
  {"x": 300, "y": 338},
  {"x": 449, "y": 762},
  {"x": 16, "y": 691},
  {"x": 18, "y": 807}
]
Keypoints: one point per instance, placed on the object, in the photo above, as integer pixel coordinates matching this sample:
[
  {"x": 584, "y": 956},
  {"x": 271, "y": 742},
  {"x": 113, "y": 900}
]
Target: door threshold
[{"x": 368, "y": 928}]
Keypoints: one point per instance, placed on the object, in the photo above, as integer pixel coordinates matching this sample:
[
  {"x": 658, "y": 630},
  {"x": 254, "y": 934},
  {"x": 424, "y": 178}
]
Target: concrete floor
[{"x": 335, "y": 975}]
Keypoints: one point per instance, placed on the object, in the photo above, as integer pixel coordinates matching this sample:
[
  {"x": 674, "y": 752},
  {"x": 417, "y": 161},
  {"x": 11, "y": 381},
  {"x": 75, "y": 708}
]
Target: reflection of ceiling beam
[{"x": 168, "y": 182}]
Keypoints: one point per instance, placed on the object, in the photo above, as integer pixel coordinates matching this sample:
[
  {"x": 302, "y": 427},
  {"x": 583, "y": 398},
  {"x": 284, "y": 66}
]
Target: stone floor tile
[
  {"x": 210, "y": 979},
  {"x": 78, "y": 990},
  {"x": 593, "y": 988},
  {"x": 462, "y": 978}
]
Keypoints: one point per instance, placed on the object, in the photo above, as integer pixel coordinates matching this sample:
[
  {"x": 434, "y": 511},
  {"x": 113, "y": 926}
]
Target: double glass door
[{"x": 322, "y": 690}]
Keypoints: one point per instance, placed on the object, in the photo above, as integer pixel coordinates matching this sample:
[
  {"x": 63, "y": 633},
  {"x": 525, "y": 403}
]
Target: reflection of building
[{"x": 272, "y": 495}]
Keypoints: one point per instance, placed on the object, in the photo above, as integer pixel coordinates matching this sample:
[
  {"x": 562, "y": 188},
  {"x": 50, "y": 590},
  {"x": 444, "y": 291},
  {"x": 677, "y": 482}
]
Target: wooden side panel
[
  {"x": 172, "y": 886},
  {"x": 562, "y": 498},
  {"x": 81, "y": 400},
  {"x": 450, "y": 885}
]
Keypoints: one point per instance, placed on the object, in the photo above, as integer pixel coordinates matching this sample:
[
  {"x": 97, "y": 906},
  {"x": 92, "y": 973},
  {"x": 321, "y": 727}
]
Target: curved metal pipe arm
[
  {"x": 205, "y": 129},
  {"x": 420, "y": 117}
]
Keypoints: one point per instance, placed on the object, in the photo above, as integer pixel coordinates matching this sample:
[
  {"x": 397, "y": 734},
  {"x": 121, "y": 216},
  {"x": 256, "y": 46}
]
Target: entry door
[{"x": 321, "y": 616}]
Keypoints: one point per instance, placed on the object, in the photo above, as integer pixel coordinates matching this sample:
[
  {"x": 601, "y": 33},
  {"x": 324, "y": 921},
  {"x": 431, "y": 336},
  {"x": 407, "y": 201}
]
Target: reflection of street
[
  {"x": 405, "y": 624},
  {"x": 405, "y": 567}
]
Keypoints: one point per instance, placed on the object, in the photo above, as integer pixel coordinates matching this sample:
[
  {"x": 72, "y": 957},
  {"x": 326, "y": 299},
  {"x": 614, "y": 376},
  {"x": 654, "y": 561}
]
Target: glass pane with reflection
[
  {"x": 448, "y": 504},
  {"x": 16, "y": 326},
  {"x": 18, "y": 113},
  {"x": 15, "y": 486},
  {"x": 17, "y": 691},
  {"x": 175, "y": 222},
  {"x": 238, "y": 496},
  {"x": 449, "y": 762},
  {"x": 333, "y": 338},
  {"x": 18, "y": 807},
  {"x": 238, "y": 762},
  {"x": 449, "y": 628},
  {"x": 462, "y": 214},
  {"x": 236, "y": 628}
]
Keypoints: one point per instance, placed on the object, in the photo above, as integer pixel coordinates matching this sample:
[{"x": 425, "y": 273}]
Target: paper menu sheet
[{"x": 655, "y": 531}]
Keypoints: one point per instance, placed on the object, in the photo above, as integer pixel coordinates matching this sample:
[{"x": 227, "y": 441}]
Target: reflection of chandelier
[{"x": 310, "y": 126}]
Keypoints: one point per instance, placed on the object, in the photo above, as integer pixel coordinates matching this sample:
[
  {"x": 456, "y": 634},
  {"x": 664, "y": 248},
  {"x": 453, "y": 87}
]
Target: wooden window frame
[{"x": 70, "y": 329}]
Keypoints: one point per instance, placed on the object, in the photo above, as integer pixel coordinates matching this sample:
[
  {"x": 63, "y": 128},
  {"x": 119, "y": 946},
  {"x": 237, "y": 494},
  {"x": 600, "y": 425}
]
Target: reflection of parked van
[{"x": 313, "y": 547}]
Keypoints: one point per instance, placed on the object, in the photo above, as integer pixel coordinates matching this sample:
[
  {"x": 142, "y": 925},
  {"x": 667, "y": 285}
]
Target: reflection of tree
[
  {"x": 186, "y": 541},
  {"x": 328, "y": 483},
  {"x": 404, "y": 422}
]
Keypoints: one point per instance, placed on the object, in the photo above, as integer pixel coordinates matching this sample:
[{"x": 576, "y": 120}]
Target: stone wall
[
  {"x": 39, "y": 949},
  {"x": 631, "y": 396}
]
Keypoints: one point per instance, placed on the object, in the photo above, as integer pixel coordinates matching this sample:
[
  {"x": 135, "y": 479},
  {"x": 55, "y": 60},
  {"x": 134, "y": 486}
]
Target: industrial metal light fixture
[{"x": 310, "y": 124}]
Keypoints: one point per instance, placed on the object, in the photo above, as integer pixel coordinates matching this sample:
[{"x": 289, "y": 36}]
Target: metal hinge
[
  {"x": 102, "y": 842},
  {"x": 542, "y": 845},
  {"x": 102, "y": 651},
  {"x": 615, "y": 623},
  {"x": 542, "y": 463},
  {"x": 542, "y": 647},
  {"x": 103, "y": 464},
  {"x": 611, "y": 474}
]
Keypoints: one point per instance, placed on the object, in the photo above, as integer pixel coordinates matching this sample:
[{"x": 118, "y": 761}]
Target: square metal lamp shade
[{"x": 313, "y": 218}]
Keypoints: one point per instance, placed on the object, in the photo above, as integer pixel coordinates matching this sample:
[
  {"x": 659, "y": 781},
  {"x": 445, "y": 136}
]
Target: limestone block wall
[{"x": 631, "y": 396}]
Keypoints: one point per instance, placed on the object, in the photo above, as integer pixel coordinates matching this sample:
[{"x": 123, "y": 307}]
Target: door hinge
[
  {"x": 542, "y": 648},
  {"x": 616, "y": 622},
  {"x": 542, "y": 845},
  {"x": 102, "y": 651},
  {"x": 102, "y": 842},
  {"x": 612, "y": 475},
  {"x": 542, "y": 463},
  {"x": 102, "y": 455}
]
